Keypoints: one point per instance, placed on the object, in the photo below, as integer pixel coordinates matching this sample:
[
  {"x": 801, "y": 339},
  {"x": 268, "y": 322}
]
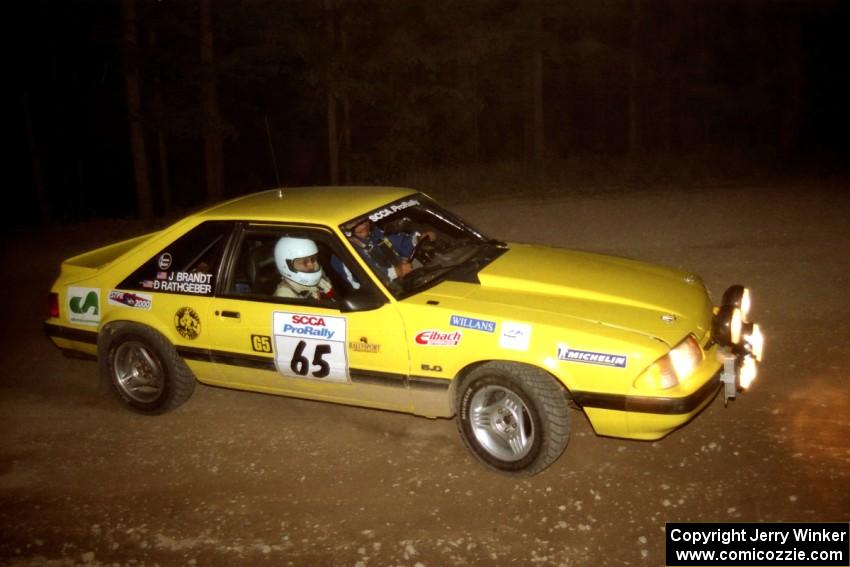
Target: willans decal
[{"x": 474, "y": 324}]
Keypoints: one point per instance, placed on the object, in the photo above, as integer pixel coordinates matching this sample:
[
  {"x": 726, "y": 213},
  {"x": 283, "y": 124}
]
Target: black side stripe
[
  {"x": 78, "y": 335},
  {"x": 648, "y": 404},
  {"x": 429, "y": 383},
  {"x": 376, "y": 378},
  {"x": 360, "y": 376},
  {"x": 231, "y": 359}
]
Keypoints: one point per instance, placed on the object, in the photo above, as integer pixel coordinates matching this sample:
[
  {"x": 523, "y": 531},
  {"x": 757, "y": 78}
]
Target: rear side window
[{"x": 187, "y": 266}]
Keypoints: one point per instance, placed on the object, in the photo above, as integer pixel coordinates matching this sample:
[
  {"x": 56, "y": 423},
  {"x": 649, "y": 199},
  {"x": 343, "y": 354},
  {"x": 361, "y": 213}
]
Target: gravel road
[{"x": 240, "y": 478}]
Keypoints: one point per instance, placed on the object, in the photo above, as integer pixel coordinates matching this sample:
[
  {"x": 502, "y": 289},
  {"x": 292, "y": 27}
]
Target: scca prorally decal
[
  {"x": 310, "y": 346},
  {"x": 84, "y": 305},
  {"x": 387, "y": 211},
  {"x": 438, "y": 338},
  {"x": 127, "y": 299},
  {"x": 588, "y": 357},
  {"x": 474, "y": 324},
  {"x": 187, "y": 322},
  {"x": 310, "y": 326}
]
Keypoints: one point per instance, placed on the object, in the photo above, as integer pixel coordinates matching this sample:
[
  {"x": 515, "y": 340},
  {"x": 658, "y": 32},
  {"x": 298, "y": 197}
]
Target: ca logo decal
[{"x": 90, "y": 302}]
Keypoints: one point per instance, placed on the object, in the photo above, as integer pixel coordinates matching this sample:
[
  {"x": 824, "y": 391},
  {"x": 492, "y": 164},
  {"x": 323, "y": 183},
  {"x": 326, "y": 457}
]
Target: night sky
[{"x": 611, "y": 91}]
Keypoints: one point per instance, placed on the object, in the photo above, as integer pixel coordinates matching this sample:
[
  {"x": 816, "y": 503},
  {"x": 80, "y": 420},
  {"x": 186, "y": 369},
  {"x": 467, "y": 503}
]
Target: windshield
[{"x": 413, "y": 243}]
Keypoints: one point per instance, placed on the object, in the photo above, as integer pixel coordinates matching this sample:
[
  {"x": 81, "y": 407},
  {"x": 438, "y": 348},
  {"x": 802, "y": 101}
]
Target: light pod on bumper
[
  {"x": 738, "y": 296},
  {"x": 753, "y": 340},
  {"x": 727, "y": 325},
  {"x": 747, "y": 372}
]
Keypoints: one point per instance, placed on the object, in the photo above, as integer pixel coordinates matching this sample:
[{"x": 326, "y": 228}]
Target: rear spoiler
[{"x": 93, "y": 260}]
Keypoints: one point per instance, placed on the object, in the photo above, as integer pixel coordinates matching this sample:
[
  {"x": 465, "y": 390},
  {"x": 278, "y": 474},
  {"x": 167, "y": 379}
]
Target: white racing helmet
[{"x": 287, "y": 250}]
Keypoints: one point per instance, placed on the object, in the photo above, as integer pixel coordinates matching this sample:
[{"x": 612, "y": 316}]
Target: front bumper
[{"x": 732, "y": 356}]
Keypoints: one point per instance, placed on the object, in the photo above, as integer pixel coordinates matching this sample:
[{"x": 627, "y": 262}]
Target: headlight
[
  {"x": 659, "y": 376},
  {"x": 685, "y": 357},
  {"x": 669, "y": 370},
  {"x": 738, "y": 296}
]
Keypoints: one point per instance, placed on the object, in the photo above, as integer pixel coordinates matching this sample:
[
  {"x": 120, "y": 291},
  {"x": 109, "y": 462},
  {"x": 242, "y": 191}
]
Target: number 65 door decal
[{"x": 310, "y": 346}]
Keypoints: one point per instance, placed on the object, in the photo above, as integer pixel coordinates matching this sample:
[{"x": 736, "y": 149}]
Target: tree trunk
[
  {"x": 35, "y": 163},
  {"x": 164, "y": 173},
  {"x": 213, "y": 154},
  {"x": 346, "y": 110},
  {"x": 537, "y": 89},
  {"x": 134, "y": 109},
  {"x": 634, "y": 78},
  {"x": 333, "y": 140},
  {"x": 475, "y": 134}
]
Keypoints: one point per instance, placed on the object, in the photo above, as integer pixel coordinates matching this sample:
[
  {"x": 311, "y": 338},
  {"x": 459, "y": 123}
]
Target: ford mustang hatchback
[{"x": 504, "y": 336}]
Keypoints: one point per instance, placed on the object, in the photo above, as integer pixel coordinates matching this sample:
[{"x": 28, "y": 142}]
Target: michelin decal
[{"x": 567, "y": 354}]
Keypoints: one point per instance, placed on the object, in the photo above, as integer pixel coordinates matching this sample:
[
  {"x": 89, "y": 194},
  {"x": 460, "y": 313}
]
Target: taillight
[{"x": 53, "y": 305}]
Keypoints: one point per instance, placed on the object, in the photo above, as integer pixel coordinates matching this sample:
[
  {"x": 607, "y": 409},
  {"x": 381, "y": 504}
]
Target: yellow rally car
[{"x": 403, "y": 306}]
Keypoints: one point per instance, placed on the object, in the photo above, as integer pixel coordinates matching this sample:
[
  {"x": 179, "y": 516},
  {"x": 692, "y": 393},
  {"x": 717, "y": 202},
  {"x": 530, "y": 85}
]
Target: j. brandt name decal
[{"x": 195, "y": 283}]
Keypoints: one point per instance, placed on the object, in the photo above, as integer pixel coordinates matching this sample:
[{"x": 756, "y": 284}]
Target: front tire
[
  {"x": 514, "y": 418},
  {"x": 143, "y": 369}
]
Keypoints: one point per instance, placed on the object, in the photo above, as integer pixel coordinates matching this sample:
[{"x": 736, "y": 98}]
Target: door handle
[{"x": 231, "y": 314}]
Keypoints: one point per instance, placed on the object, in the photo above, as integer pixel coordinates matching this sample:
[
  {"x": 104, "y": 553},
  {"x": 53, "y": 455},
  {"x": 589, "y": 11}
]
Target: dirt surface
[{"x": 240, "y": 478}]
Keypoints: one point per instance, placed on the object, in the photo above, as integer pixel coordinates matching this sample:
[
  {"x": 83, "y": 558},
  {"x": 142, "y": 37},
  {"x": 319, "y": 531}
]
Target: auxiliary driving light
[
  {"x": 754, "y": 339},
  {"x": 738, "y": 296},
  {"x": 747, "y": 372},
  {"x": 727, "y": 325}
]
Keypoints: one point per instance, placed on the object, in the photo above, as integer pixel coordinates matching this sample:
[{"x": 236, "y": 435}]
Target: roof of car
[{"x": 316, "y": 205}]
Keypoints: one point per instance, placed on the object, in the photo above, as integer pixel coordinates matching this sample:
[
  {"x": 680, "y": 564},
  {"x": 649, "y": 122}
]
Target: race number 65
[{"x": 300, "y": 364}]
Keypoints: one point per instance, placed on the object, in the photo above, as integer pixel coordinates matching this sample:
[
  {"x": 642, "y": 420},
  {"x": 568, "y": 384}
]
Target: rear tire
[
  {"x": 514, "y": 418},
  {"x": 143, "y": 368}
]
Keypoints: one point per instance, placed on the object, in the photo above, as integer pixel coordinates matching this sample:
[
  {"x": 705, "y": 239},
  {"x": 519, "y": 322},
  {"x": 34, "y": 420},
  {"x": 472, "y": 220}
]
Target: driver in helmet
[
  {"x": 302, "y": 275},
  {"x": 387, "y": 254}
]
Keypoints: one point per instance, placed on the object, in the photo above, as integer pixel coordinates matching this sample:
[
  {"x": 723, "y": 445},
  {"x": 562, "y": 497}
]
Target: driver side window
[{"x": 292, "y": 265}]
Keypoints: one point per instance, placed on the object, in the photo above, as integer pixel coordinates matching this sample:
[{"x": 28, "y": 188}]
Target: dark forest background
[{"x": 150, "y": 107}]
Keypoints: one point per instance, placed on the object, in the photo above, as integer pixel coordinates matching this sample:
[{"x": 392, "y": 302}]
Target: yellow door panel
[{"x": 314, "y": 352}]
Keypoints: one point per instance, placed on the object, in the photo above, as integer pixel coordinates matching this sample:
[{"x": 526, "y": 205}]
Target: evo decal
[
  {"x": 567, "y": 354},
  {"x": 127, "y": 299},
  {"x": 474, "y": 324}
]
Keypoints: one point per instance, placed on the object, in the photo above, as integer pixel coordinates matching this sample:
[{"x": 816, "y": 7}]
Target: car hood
[{"x": 652, "y": 300}]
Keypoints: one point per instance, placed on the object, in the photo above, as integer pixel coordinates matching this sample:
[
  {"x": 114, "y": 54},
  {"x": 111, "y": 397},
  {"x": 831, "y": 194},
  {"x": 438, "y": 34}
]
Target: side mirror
[{"x": 361, "y": 300}]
